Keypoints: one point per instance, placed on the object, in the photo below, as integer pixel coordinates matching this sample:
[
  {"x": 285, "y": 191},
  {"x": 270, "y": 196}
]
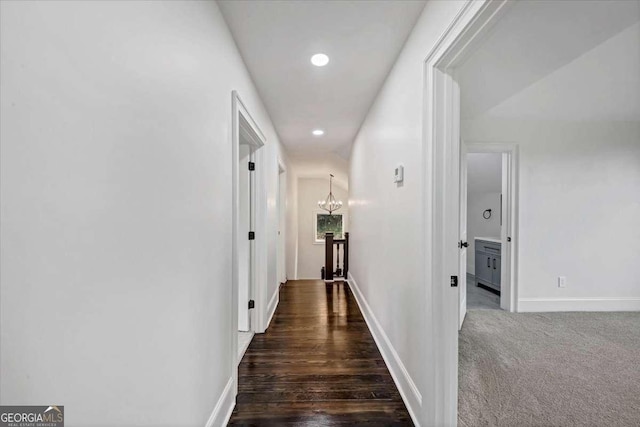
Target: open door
[
  {"x": 506, "y": 201},
  {"x": 245, "y": 225},
  {"x": 462, "y": 274},
  {"x": 282, "y": 193}
]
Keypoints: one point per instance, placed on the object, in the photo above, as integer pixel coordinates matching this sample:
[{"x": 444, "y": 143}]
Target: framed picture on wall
[{"x": 326, "y": 223}]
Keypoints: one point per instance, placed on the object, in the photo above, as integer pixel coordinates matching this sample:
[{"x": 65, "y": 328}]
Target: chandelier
[{"x": 330, "y": 204}]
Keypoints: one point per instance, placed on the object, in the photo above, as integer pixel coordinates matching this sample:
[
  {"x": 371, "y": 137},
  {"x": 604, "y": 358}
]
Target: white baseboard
[
  {"x": 224, "y": 407},
  {"x": 407, "y": 388},
  {"x": 578, "y": 304},
  {"x": 271, "y": 307}
]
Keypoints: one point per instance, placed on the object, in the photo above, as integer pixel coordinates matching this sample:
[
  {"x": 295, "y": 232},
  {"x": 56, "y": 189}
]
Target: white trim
[
  {"x": 408, "y": 390},
  {"x": 271, "y": 307},
  {"x": 579, "y": 304},
  {"x": 261, "y": 244},
  {"x": 281, "y": 257},
  {"x": 224, "y": 407}
]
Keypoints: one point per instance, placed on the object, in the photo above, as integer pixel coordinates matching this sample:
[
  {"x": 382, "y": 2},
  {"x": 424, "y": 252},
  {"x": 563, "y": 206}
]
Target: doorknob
[{"x": 462, "y": 244}]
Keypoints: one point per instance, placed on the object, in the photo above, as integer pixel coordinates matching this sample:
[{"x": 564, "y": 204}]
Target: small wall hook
[{"x": 486, "y": 214}]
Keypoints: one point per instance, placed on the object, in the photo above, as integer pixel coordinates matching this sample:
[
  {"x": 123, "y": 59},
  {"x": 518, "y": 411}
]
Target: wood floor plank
[{"x": 317, "y": 365}]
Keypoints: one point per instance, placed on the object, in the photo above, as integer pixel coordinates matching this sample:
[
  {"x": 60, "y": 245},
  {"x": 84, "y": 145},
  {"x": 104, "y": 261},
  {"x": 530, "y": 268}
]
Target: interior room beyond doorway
[{"x": 484, "y": 222}]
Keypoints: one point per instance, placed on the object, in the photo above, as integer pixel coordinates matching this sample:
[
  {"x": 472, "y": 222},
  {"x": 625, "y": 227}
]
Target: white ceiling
[
  {"x": 602, "y": 84},
  {"x": 278, "y": 38},
  {"x": 573, "y": 60},
  {"x": 320, "y": 165}
]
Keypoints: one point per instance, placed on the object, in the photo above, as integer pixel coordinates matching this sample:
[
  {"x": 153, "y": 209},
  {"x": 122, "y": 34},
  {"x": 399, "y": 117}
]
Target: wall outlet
[
  {"x": 562, "y": 282},
  {"x": 398, "y": 174}
]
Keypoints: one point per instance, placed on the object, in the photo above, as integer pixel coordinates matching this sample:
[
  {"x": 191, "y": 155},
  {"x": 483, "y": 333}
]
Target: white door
[
  {"x": 505, "y": 226},
  {"x": 282, "y": 274},
  {"x": 462, "y": 274},
  {"x": 244, "y": 245},
  {"x": 252, "y": 243}
]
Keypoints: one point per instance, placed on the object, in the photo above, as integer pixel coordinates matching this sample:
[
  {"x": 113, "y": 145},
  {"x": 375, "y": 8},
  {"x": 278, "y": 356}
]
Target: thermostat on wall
[{"x": 399, "y": 174}]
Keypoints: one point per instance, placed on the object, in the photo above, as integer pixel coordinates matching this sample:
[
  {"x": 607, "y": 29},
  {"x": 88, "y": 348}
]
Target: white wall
[
  {"x": 311, "y": 254},
  {"x": 115, "y": 208},
  {"x": 387, "y": 251},
  {"x": 484, "y": 186},
  {"x": 579, "y": 210},
  {"x": 292, "y": 223}
]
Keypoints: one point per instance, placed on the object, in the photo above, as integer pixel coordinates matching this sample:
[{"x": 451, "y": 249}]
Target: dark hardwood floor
[{"x": 317, "y": 365}]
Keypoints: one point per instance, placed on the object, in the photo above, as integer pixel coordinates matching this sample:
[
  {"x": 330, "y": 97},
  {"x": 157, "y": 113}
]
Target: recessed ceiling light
[
  {"x": 318, "y": 132},
  {"x": 319, "y": 59}
]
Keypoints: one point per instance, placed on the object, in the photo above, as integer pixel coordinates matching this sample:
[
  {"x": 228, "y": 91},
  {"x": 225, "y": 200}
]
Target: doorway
[
  {"x": 246, "y": 225},
  {"x": 249, "y": 239},
  {"x": 488, "y": 203},
  {"x": 282, "y": 210},
  {"x": 442, "y": 143}
]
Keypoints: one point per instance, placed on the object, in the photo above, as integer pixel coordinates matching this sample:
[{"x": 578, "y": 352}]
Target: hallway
[
  {"x": 316, "y": 363},
  {"x": 170, "y": 171}
]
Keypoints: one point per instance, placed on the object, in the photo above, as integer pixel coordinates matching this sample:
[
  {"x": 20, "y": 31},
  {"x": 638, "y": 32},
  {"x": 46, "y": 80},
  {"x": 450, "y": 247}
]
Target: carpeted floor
[{"x": 549, "y": 369}]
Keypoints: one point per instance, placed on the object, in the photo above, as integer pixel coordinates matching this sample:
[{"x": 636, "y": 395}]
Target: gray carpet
[{"x": 549, "y": 369}]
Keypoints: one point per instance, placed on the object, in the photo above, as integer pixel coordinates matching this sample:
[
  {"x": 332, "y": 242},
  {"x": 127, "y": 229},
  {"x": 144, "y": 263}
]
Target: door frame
[
  {"x": 462, "y": 220},
  {"x": 282, "y": 221},
  {"x": 245, "y": 248},
  {"x": 441, "y": 157},
  {"x": 509, "y": 249},
  {"x": 243, "y": 125}
]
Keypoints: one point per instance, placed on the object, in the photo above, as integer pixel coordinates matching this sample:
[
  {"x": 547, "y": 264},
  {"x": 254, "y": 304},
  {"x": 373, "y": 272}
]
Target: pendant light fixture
[{"x": 330, "y": 204}]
